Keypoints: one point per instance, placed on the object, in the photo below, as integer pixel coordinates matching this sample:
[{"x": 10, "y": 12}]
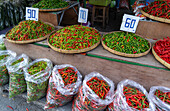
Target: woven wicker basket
[
  {"x": 159, "y": 59},
  {"x": 155, "y": 18},
  {"x": 29, "y": 41},
  {"x": 72, "y": 51},
  {"x": 124, "y": 54}
]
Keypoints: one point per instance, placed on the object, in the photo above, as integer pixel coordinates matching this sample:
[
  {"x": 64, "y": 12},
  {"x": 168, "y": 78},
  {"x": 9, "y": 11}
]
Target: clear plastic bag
[
  {"x": 5, "y": 56},
  {"x": 88, "y": 100},
  {"x": 17, "y": 83},
  {"x": 161, "y": 106},
  {"x": 124, "y": 4},
  {"x": 58, "y": 93},
  {"x": 119, "y": 101},
  {"x": 2, "y": 45},
  {"x": 37, "y": 83}
]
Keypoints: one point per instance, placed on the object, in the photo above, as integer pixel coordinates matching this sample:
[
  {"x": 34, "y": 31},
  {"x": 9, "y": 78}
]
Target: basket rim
[{"x": 124, "y": 54}]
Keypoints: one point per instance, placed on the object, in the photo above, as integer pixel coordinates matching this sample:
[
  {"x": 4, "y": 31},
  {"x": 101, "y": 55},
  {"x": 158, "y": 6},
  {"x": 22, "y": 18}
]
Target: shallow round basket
[
  {"x": 29, "y": 41},
  {"x": 72, "y": 51},
  {"x": 124, "y": 54},
  {"x": 160, "y": 59},
  {"x": 52, "y": 10},
  {"x": 155, "y": 18}
]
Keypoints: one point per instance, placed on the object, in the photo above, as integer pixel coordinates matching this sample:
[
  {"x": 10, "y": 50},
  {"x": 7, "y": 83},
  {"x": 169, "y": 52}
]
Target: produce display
[
  {"x": 17, "y": 83},
  {"x": 5, "y": 56},
  {"x": 63, "y": 85},
  {"x": 131, "y": 96},
  {"x": 162, "y": 49},
  {"x": 50, "y": 4},
  {"x": 37, "y": 74},
  {"x": 161, "y": 97},
  {"x": 128, "y": 43},
  {"x": 95, "y": 94},
  {"x": 28, "y": 30},
  {"x": 159, "y": 8},
  {"x": 74, "y": 37}
]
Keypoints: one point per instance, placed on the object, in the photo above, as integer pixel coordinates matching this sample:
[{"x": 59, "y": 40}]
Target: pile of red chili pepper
[
  {"x": 28, "y": 30},
  {"x": 74, "y": 37},
  {"x": 128, "y": 43},
  {"x": 164, "y": 96},
  {"x": 68, "y": 75},
  {"x": 162, "y": 49},
  {"x": 100, "y": 87},
  {"x": 135, "y": 98},
  {"x": 159, "y": 8}
]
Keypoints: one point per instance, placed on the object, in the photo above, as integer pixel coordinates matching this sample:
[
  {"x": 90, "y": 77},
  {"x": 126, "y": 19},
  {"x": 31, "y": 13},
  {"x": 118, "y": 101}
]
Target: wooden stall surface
[{"x": 116, "y": 71}]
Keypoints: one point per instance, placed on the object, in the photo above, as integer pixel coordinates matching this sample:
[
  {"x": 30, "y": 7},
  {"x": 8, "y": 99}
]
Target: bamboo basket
[
  {"x": 160, "y": 59},
  {"x": 72, "y": 51},
  {"x": 29, "y": 41},
  {"x": 155, "y": 18},
  {"x": 124, "y": 54}
]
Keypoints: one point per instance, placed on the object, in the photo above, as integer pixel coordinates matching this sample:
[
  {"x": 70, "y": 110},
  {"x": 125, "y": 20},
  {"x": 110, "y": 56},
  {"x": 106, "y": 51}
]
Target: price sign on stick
[
  {"x": 129, "y": 23},
  {"x": 32, "y": 13},
  {"x": 83, "y": 14}
]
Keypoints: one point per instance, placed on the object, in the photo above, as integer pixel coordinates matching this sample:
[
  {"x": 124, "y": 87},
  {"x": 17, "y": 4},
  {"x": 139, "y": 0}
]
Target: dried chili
[
  {"x": 28, "y": 30},
  {"x": 162, "y": 49},
  {"x": 124, "y": 42},
  {"x": 74, "y": 37}
]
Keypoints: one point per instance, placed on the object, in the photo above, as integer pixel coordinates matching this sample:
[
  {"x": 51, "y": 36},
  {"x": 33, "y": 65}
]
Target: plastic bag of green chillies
[
  {"x": 131, "y": 96},
  {"x": 37, "y": 74},
  {"x": 161, "y": 97},
  {"x": 2, "y": 45},
  {"x": 5, "y": 56},
  {"x": 63, "y": 85},
  {"x": 95, "y": 94},
  {"x": 17, "y": 83}
]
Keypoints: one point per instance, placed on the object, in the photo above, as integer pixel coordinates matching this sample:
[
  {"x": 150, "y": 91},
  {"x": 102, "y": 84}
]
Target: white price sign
[
  {"x": 129, "y": 23},
  {"x": 83, "y": 14},
  {"x": 32, "y": 13}
]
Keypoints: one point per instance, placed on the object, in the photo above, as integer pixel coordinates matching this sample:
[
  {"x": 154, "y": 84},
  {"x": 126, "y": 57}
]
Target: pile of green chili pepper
[
  {"x": 69, "y": 76},
  {"x": 164, "y": 96},
  {"x": 162, "y": 49},
  {"x": 50, "y": 4},
  {"x": 3, "y": 71},
  {"x": 74, "y": 37},
  {"x": 17, "y": 84},
  {"x": 159, "y": 8},
  {"x": 36, "y": 91},
  {"x": 135, "y": 98},
  {"x": 128, "y": 43},
  {"x": 28, "y": 30}
]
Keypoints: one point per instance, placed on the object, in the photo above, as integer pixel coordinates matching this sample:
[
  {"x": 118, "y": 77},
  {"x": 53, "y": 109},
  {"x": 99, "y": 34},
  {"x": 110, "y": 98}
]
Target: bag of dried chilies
[
  {"x": 95, "y": 94},
  {"x": 17, "y": 83},
  {"x": 131, "y": 96},
  {"x": 37, "y": 74},
  {"x": 63, "y": 85},
  {"x": 161, "y": 97},
  {"x": 5, "y": 56}
]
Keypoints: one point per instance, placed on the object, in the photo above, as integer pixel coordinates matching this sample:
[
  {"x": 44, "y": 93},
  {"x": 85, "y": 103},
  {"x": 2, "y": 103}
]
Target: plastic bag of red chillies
[
  {"x": 95, "y": 94},
  {"x": 63, "y": 85},
  {"x": 131, "y": 96},
  {"x": 37, "y": 74},
  {"x": 161, "y": 97}
]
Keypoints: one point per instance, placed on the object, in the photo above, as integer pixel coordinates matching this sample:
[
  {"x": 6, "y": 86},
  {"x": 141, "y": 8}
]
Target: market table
[{"x": 145, "y": 70}]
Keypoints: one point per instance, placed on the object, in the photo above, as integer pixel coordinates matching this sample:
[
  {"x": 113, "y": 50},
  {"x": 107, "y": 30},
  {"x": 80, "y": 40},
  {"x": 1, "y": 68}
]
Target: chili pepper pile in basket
[
  {"x": 28, "y": 30},
  {"x": 135, "y": 98},
  {"x": 56, "y": 98},
  {"x": 3, "y": 72},
  {"x": 36, "y": 91},
  {"x": 50, "y": 4},
  {"x": 124, "y": 42},
  {"x": 159, "y": 9},
  {"x": 74, "y": 37},
  {"x": 164, "y": 96},
  {"x": 162, "y": 49}
]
